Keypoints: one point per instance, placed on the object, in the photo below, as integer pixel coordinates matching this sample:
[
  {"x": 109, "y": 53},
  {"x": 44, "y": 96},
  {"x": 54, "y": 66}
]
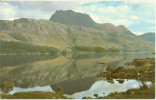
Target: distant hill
[{"x": 148, "y": 36}]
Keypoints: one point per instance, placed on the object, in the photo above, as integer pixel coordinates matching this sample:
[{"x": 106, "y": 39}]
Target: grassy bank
[
  {"x": 143, "y": 92},
  {"x": 5, "y": 87},
  {"x": 33, "y": 95},
  {"x": 93, "y": 49},
  {"x": 140, "y": 93},
  {"x": 20, "y": 47},
  {"x": 144, "y": 70}
]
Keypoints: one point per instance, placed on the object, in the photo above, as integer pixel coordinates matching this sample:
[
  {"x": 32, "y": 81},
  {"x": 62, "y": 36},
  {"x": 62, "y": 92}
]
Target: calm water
[{"x": 76, "y": 74}]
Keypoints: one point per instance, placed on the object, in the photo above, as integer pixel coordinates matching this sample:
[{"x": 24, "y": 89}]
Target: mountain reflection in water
[
  {"x": 102, "y": 88},
  {"x": 28, "y": 72}
]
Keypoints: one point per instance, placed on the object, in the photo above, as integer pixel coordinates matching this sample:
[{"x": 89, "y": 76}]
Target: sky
[{"x": 138, "y": 16}]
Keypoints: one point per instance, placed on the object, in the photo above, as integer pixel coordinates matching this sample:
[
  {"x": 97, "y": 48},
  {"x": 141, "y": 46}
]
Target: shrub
[
  {"x": 110, "y": 68},
  {"x": 6, "y": 86}
]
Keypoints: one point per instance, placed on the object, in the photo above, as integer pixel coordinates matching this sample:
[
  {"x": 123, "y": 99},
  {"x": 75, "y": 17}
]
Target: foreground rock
[{"x": 144, "y": 70}]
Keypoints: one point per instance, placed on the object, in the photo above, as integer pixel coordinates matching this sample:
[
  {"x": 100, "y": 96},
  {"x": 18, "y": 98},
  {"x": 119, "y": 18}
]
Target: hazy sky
[{"x": 137, "y": 16}]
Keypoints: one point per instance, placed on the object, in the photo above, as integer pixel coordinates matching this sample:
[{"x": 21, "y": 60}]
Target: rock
[
  {"x": 1, "y": 92},
  {"x": 117, "y": 93},
  {"x": 96, "y": 95},
  {"x": 84, "y": 98},
  {"x": 100, "y": 63},
  {"x": 98, "y": 75}
]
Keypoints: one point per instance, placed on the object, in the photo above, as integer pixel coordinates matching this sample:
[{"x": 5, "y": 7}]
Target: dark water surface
[{"x": 76, "y": 74}]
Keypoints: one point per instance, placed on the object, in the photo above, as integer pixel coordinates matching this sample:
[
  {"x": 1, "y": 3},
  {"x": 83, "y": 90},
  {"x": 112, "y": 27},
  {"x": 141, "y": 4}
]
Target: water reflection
[
  {"x": 51, "y": 70},
  {"x": 102, "y": 88},
  {"x": 77, "y": 85},
  {"x": 37, "y": 88}
]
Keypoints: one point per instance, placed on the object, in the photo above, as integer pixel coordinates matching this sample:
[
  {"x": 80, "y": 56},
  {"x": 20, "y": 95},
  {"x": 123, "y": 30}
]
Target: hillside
[
  {"x": 148, "y": 36},
  {"x": 11, "y": 47},
  {"x": 64, "y": 37}
]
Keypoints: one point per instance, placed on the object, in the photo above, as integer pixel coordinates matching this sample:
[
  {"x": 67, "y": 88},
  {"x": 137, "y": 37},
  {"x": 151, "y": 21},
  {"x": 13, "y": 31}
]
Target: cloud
[
  {"x": 138, "y": 16},
  {"x": 110, "y": 14},
  {"x": 31, "y": 9},
  {"x": 138, "y": 33},
  {"x": 48, "y": 6},
  {"x": 151, "y": 28},
  {"x": 7, "y": 11},
  {"x": 127, "y": 14},
  {"x": 96, "y": 18}
]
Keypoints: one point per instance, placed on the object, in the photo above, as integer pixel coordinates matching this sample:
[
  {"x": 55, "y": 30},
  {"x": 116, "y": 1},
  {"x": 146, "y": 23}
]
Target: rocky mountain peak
[{"x": 70, "y": 17}]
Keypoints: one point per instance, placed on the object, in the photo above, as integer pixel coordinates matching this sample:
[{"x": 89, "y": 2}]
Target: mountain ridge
[
  {"x": 70, "y": 17},
  {"x": 63, "y": 37}
]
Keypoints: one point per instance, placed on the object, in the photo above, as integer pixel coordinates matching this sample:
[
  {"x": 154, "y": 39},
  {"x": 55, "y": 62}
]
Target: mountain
[
  {"x": 70, "y": 17},
  {"x": 49, "y": 36},
  {"x": 148, "y": 36}
]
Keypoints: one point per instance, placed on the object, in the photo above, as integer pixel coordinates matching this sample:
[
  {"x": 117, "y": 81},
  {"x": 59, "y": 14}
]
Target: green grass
[
  {"x": 140, "y": 93},
  {"x": 114, "y": 50},
  {"x": 19, "y": 47},
  {"x": 33, "y": 95},
  {"x": 144, "y": 70},
  {"x": 93, "y": 49},
  {"x": 6, "y": 86}
]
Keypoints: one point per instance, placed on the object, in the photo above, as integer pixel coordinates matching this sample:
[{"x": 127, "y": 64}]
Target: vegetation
[
  {"x": 144, "y": 70},
  {"x": 10, "y": 60},
  {"x": 93, "y": 49},
  {"x": 60, "y": 91},
  {"x": 5, "y": 87},
  {"x": 140, "y": 93},
  {"x": 144, "y": 92},
  {"x": 33, "y": 95},
  {"x": 89, "y": 49},
  {"x": 114, "y": 50},
  {"x": 19, "y": 47}
]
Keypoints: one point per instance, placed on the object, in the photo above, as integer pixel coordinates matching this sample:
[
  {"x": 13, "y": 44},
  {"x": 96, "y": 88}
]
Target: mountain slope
[
  {"x": 70, "y": 17},
  {"x": 63, "y": 37},
  {"x": 148, "y": 36}
]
